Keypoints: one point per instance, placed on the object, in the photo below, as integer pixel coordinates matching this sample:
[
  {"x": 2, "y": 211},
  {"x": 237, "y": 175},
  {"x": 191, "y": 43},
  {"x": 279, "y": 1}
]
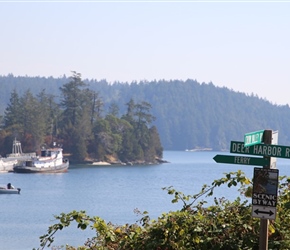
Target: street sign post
[
  {"x": 261, "y": 149},
  {"x": 230, "y": 159},
  {"x": 273, "y": 160},
  {"x": 253, "y": 138},
  {"x": 265, "y": 188}
]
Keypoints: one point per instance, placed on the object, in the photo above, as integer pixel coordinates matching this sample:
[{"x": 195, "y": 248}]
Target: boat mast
[{"x": 16, "y": 148}]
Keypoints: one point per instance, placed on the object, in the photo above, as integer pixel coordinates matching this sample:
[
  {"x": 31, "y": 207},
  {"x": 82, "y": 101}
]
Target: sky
[{"x": 242, "y": 45}]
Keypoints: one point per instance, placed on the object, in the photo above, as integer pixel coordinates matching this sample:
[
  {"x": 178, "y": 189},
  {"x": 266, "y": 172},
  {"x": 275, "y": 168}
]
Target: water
[{"x": 110, "y": 192}]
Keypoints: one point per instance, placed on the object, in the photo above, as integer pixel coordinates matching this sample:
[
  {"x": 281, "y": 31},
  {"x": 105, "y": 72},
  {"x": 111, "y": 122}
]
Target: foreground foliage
[{"x": 224, "y": 224}]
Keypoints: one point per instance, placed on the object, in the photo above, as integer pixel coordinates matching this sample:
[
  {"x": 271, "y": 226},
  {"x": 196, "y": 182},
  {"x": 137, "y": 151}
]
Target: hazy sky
[{"x": 243, "y": 45}]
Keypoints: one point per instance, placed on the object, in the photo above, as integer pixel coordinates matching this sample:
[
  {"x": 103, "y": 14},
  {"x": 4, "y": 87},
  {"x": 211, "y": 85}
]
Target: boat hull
[
  {"x": 10, "y": 191},
  {"x": 57, "y": 169}
]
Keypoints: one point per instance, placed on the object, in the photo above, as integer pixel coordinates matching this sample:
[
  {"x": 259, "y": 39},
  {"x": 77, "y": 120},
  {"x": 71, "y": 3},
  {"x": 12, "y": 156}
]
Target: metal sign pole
[{"x": 263, "y": 241}]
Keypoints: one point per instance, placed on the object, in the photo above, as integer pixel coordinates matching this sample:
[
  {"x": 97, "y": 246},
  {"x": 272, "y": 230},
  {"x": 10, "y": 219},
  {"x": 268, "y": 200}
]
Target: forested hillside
[
  {"x": 77, "y": 124},
  {"x": 188, "y": 114}
]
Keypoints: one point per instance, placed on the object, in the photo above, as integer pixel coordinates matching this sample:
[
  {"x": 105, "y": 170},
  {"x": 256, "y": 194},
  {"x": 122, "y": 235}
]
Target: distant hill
[{"x": 189, "y": 115}]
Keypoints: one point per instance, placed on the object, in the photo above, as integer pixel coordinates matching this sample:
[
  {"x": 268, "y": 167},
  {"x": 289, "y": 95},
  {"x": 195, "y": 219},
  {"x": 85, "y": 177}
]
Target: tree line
[
  {"x": 77, "y": 123},
  {"x": 191, "y": 115}
]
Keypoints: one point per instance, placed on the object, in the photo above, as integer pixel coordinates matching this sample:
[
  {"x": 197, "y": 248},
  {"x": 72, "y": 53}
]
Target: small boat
[
  {"x": 9, "y": 189},
  {"x": 50, "y": 161}
]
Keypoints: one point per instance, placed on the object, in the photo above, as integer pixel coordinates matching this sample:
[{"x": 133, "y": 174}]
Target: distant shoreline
[{"x": 198, "y": 149}]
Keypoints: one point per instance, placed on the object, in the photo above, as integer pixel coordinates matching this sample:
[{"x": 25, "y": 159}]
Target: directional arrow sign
[
  {"x": 241, "y": 160},
  {"x": 264, "y": 212},
  {"x": 279, "y": 151},
  {"x": 257, "y": 211}
]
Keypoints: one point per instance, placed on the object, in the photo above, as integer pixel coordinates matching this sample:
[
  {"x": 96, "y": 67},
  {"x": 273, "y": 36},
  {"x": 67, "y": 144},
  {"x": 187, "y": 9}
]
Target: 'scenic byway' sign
[
  {"x": 260, "y": 149},
  {"x": 265, "y": 193},
  {"x": 265, "y": 187}
]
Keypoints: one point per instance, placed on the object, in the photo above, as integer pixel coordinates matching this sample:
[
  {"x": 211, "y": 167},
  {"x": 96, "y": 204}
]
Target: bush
[{"x": 224, "y": 224}]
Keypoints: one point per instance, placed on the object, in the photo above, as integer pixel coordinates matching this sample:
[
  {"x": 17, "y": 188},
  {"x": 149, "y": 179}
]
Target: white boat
[
  {"x": 6, "y": 165},
  {"x": 50, "y": 161},
  {"x": 17, "y": 153},
  {"x": 9, "y": 189}
]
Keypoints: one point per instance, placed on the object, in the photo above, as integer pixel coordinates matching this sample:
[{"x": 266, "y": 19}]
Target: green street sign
[
  {"x": 253, "y": 138},
  {"x": 243, "y": 160},
  {"x": 279, "y": 151}
]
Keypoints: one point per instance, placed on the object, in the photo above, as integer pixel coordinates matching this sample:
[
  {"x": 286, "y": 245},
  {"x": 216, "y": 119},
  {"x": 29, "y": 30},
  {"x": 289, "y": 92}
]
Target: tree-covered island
[{"x": 77, "y": 123}]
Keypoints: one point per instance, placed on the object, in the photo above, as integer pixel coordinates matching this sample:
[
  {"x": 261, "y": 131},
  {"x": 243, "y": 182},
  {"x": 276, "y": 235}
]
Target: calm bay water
[{"x": 110, "y": 192}]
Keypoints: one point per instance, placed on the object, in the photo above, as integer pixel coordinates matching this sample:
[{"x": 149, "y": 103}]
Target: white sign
[
  {"x": 274, "y": 142},
  {"x": 264, "y": 212}
]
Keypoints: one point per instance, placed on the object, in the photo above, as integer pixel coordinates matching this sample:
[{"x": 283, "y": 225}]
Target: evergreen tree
[
  {"x": 31, "y": 121},
  {"x": 103, "y": 139},
  {"x": 72, "y": 99},
  {"x": 76, "y": 116},
  {"x": 77, "y": 123},
  {"x": 12, "y": 113},
  {"x": 155, "y": 144},
  {"x": 114, "y": 109},
  {"x": 46, "y": 112}
]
